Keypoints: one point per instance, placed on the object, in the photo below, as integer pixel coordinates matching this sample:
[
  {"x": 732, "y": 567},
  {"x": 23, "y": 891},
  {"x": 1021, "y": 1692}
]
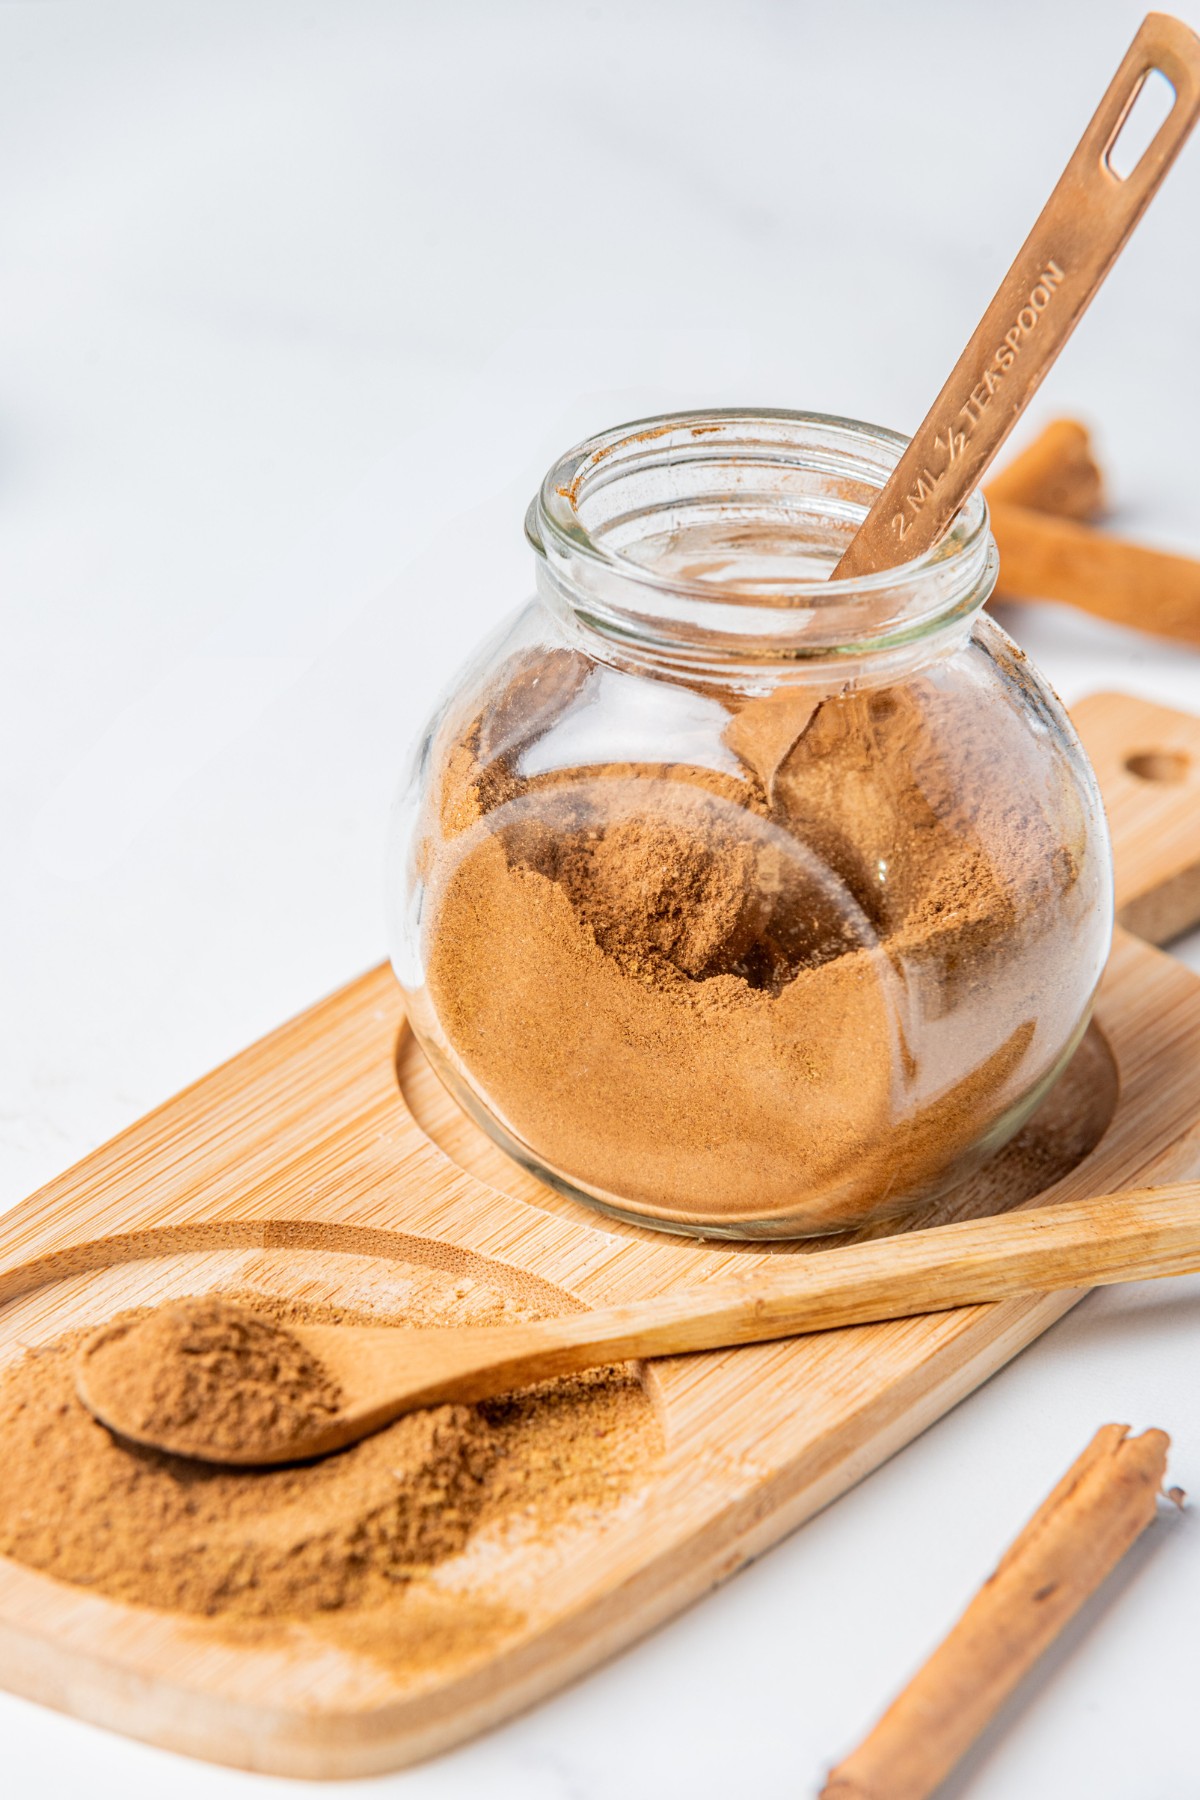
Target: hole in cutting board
[
  {"x": 1066, "y": 1128},
  {"x": 1159, "y": 765}
]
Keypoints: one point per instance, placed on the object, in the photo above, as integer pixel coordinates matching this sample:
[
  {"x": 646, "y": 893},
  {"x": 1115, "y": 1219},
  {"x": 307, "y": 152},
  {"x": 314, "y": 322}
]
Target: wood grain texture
[
  {"x": 321, "y": 1159},
  {"x": 1147, "y": 760}
]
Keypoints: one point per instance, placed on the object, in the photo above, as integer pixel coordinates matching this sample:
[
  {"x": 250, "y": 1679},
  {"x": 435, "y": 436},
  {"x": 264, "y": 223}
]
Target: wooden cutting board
[{"x": 330, "y": 1152}]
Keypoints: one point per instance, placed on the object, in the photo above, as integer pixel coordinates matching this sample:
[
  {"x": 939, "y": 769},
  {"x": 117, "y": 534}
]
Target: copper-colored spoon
[
  {"x": 384, "y": 1372},
  {"x": 1079, "y": 235}
]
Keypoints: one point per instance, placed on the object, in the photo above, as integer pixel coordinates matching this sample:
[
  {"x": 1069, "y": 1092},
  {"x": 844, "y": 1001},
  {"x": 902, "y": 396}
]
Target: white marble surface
[{"x": 299, "y": 302}]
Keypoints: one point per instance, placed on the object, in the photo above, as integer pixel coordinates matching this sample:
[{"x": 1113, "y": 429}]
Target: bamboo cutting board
[{"x": 328, "y": 1155}]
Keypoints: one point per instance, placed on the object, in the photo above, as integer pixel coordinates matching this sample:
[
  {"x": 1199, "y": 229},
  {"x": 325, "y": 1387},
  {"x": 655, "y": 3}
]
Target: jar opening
[{"x": 705, "y": 527}]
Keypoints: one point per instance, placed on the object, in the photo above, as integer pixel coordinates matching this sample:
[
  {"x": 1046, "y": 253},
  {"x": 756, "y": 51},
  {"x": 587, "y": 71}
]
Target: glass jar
[{"x": 730, "y": 898}]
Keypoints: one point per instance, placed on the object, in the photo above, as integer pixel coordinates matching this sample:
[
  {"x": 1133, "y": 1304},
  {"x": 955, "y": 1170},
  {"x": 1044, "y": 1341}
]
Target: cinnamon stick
[
  {"x": 1041, "y": 504},
  {"x": 1057, "y": 473},
  {"x": 1048, "y": 558},
  {"x": 1077, "y": 1536}
]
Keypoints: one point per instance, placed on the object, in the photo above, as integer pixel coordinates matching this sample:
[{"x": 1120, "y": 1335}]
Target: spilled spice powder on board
[
  {"x": 355, "y": 1546},
  {"x": 788, "y": 989}
]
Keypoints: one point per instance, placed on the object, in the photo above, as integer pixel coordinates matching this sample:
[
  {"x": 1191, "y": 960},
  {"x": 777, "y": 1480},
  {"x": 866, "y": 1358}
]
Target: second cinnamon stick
[
  {"x": 1056, "y": 473},
  {"x": 1077, "y": 1536},
  {"x": 1047, "y": 558}
]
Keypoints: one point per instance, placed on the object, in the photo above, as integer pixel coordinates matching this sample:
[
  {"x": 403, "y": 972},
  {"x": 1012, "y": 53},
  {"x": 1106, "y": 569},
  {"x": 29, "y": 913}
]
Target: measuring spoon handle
[{"x": 1077, "y": 238}]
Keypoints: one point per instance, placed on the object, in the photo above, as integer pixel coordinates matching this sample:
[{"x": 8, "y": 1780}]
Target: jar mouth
[{"x": 718, "y": 524}]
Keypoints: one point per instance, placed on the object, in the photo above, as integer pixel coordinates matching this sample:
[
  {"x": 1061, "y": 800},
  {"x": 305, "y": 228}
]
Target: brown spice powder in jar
[{"x": 731, "y": 998}]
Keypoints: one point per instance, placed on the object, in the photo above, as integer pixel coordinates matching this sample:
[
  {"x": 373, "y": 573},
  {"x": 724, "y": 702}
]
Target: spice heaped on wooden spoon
[
  {"x": 1077, "y": 238},
  {"x": 213, "y": 1381}
]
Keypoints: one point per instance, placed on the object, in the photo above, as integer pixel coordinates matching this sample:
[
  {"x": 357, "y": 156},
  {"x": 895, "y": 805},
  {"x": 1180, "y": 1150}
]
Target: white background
[{"x": 299, "y": 301}]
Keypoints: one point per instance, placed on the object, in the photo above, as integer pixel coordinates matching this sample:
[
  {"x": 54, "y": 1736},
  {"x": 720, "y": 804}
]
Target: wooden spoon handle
[
  {"x": 1120, "y": 1237},
  {"x": 1129, "y": 1236},
  {"x": 1081, "y": 230}
]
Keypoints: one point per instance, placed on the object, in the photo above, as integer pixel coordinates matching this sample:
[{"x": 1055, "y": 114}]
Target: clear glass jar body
[{"x": 730, "y": 898}]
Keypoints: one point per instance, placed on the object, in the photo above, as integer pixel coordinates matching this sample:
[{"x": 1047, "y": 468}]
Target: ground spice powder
[
  {"x": 208, "y": 1374},
  {"x": 360, "y": 1546},
  {"x": 798, "y": 990}
]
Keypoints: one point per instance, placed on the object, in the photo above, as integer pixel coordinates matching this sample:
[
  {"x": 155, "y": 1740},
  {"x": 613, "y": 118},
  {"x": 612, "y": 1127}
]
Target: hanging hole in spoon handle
[{"x": 1077, "y": 238}]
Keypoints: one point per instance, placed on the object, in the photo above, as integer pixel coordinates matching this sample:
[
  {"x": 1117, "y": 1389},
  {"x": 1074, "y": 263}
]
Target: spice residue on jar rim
[
  {"x": 372, "y": 1548},
  {"x": 700, "y": 994}
]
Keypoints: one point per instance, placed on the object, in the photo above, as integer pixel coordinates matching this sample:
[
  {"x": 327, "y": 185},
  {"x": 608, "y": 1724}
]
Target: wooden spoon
[
  {"x": 384, "y": 1372},
  {"x": 1077, "y": 238}
]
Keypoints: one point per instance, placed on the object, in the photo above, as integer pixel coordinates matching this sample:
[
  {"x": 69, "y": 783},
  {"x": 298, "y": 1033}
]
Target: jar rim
[{"x": 889, "y": 606}]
